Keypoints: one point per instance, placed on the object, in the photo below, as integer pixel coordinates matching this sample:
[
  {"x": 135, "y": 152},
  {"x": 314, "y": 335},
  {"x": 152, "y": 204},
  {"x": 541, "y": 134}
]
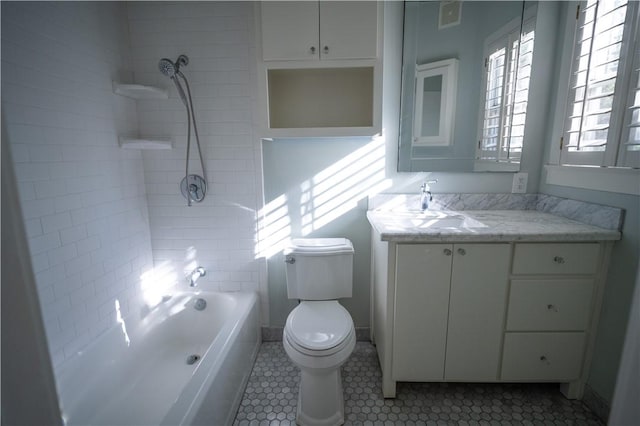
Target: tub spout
[{"x": 195, "y": 275}]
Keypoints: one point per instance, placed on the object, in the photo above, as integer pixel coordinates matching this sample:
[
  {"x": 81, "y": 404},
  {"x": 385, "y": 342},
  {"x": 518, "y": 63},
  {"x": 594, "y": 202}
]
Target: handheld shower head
[
  {"x": 167, "y": 67},
  {"x": 172, "y": 70}
]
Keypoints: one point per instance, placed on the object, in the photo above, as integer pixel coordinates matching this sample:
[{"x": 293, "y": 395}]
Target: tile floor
[{"x": 272, "y": 391}]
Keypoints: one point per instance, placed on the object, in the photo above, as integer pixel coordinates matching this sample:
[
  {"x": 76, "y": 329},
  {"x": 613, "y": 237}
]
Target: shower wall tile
[
  {"x": 220, "y": 232},
  {"x": 83, "y": 198}
]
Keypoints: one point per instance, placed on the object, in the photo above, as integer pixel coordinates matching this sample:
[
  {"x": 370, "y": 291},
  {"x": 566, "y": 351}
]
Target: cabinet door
[
  {"x": 290, "y": 30},
  {"x": 421, "y": 301},
  {"x": 479, "y": 280},
  {"x": 348, "y": 29}
]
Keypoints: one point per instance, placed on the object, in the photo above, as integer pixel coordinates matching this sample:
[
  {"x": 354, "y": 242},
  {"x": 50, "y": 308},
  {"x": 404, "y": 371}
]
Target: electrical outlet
[{"x": 519, "y": 185}]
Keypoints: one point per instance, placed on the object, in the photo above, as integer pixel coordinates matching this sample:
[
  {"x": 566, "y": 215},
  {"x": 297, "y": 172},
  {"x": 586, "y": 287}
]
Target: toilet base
[{"x": 320, "y": 398}]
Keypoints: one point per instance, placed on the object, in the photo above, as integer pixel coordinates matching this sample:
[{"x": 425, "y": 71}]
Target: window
[
  {"x": 602, "y": 126},
  {"x": 508, "y": 57}
]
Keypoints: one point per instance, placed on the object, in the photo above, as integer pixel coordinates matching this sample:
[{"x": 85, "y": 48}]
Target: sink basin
[{"x": 429, "y": 220}]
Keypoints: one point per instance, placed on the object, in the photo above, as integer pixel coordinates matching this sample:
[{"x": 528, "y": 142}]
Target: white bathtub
[{"x": 147, "y": 381}]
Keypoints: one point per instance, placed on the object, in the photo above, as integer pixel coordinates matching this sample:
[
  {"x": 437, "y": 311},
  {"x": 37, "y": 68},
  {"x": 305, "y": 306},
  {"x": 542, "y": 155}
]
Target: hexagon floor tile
[{"x": 272, "y": 392}]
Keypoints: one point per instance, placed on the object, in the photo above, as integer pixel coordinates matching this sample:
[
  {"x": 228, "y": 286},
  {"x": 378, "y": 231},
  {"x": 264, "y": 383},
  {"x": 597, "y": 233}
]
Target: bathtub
[{"x": 141, "y": 374}]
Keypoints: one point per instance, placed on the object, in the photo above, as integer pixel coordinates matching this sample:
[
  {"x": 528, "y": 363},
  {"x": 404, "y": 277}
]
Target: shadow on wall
[{"x": 322, "y": 198}]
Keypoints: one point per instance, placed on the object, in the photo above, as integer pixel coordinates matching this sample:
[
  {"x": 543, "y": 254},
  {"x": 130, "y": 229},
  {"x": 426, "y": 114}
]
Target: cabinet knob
[
  {"x": 447, "y": 252},
  {"x": 462, "y": 251},
  {"x": 552, "y": 308},
  {"x": 312, "y": 50},
  {"x": 559, "y": 260},
  {"x": 290, "y": 259},
  {"x": 544, "y": 359},
  {"x": 326, "y": 49}
]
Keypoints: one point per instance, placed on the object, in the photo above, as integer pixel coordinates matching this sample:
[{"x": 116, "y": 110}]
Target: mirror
[{"x": 470, "y": 118}]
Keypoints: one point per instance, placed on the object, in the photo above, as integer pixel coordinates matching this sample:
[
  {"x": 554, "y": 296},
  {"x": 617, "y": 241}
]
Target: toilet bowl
[{"x": 319, "y": 337}]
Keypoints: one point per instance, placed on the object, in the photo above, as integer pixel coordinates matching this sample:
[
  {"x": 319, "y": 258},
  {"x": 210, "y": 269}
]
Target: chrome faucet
[
  {"x": 426, "y": 195},
  {"x": 195, "y": 275}
]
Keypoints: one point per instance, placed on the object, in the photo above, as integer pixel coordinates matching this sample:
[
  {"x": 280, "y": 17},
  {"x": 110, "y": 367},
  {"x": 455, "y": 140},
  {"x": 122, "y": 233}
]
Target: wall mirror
[{"x": 490, "y": 44}]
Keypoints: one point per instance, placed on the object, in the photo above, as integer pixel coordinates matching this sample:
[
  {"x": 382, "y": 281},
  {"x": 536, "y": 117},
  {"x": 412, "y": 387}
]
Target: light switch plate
[{"x": 519, "y": 185}]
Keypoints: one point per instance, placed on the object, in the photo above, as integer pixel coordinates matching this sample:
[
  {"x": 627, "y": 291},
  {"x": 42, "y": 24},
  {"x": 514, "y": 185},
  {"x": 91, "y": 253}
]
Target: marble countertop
[{"x": 482, "y": 226}]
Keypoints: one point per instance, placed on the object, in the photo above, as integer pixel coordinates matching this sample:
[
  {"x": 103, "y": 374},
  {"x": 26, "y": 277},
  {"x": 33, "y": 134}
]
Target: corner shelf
[
  {"x": 139, "y": 91},
  {"x": 144, "y": 143}
]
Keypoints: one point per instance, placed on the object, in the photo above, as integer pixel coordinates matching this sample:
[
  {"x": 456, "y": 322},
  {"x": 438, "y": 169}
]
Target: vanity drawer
[
  {"x": 548, "y": 305},
  {"x": 561, "y": 258},
  {"x": 542, "y": 356}
]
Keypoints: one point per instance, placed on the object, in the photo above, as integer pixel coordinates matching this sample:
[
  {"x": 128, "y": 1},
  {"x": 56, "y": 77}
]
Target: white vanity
[{"x": 486, "y": 296}]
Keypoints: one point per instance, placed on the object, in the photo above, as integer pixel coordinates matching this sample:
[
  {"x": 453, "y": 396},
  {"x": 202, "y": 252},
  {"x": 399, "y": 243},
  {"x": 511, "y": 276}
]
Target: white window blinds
[
  {"x": 599, "y": 83},
  {"x": 630, "y": 149}
]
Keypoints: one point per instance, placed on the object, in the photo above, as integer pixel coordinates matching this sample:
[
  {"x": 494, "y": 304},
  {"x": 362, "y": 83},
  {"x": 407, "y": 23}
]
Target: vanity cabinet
[
  {"x": 324, "y": 30},
  {"x": 486, "y": 311}
]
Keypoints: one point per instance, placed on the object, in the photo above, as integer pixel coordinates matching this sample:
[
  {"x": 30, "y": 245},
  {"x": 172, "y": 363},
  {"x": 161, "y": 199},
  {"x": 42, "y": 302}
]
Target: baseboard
[
  {"x": 274, "y": 334},
  {"x": 597, "y": 404}
]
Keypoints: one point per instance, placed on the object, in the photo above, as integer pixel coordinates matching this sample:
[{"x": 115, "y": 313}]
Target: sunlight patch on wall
[
  {"x": 274, "y": 227},
  {"x": 321, "y": 199},
  {"x": 156, "y": 283},
  {"x": 337, "y": 189},
  {"x": 120, "y": 321}
]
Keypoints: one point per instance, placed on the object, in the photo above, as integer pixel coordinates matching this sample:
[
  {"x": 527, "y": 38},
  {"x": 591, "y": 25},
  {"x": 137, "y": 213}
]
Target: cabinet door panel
[
  {"x": 476, "y": 311},
  {"x": 420, "y": 323},
  {"x": 290, "y": 30},
  {"x": 348, "y": 29}
]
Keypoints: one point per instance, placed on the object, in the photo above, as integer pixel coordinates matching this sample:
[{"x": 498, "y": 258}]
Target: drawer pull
[
  {"x": 552, "y": 308},
  {"x": 559, "y": 260},
  {"x": 447, "y": 252},
  {"x": 462, "y": 251},
  {"x": 544, "y": 359},
  {"x": 312, "y": 50}
]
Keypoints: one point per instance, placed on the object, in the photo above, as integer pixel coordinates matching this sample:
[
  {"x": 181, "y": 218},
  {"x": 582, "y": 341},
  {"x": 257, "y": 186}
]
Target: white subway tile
[{"x": 56, "y": 222}]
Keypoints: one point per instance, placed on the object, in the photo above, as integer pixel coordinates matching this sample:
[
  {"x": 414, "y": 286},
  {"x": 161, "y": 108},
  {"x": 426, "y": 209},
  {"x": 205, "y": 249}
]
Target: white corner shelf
[
  {"x": 144, "y": 143},
  {"x": 139, "y": 91}
]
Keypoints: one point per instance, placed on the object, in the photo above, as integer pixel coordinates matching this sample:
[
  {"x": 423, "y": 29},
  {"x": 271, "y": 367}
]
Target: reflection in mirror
[
  {"x": 431, "y": 100},
  {"x": 488, "y": 131},
  {"x": 508, "y": 55},
  {"x": 435, "y": 103}
]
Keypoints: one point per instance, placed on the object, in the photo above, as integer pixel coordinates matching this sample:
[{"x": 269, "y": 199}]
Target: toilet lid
[
  {"x": 319, "y": 325},
  {"x": 319, "y": 246}
]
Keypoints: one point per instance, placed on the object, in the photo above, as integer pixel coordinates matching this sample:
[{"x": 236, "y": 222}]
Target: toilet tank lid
[{"x": 319, "y": 246}]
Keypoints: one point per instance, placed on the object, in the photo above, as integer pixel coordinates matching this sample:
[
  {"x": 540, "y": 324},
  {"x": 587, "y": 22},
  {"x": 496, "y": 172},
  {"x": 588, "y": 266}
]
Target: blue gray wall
[{"x": 305, "y": 177}]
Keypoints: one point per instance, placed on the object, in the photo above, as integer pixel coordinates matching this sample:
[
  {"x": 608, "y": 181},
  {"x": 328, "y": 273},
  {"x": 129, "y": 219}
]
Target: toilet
[{"x": 319, "y": 334}]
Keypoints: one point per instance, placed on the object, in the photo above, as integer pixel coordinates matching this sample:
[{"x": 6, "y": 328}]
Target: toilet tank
[{"x": 319, "y": 268}]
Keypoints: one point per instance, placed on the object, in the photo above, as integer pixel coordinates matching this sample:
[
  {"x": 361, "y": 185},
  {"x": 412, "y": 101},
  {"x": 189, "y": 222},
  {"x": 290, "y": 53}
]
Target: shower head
[
  {"x": 167, "y": 67},
  {"x": 170, "y": 68}
]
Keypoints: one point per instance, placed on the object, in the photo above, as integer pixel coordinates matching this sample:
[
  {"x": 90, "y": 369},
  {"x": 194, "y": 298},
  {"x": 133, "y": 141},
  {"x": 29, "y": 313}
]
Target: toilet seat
[{"x": 319, "y": 328}]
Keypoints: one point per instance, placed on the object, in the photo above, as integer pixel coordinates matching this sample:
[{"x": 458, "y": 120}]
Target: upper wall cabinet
[
  {"x": 320, "y": 68},
  {"x": 325, "y": 30}
]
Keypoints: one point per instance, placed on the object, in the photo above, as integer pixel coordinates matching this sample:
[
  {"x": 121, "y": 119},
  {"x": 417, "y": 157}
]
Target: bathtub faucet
[{"x": 195, "y": 275}]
